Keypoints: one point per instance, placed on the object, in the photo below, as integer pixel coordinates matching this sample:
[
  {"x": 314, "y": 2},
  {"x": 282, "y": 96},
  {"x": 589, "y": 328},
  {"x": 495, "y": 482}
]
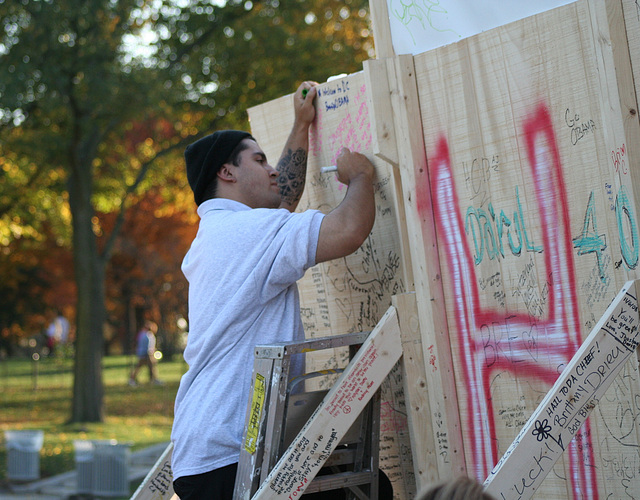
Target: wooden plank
[
  {"x": 441, "y": 390},
  {"x": 378, "y": 75},
  {"x": 381, "y": 109},
  {"x": 631, "y": 10},
  {"x": 158, "y": 483},
  {"x": 423, "y": 445},
  {"x": 395, "y": 432},
  {"x": 340, "y": 408},
  {"x": 379, "y": 12},
  {"x": 631, "y": 13},
  {"x": 578, "y": 390}
]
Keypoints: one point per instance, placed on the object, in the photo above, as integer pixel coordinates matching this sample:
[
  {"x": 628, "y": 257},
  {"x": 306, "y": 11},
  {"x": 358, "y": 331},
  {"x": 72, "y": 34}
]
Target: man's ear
[{"x": 226, "y": 173}]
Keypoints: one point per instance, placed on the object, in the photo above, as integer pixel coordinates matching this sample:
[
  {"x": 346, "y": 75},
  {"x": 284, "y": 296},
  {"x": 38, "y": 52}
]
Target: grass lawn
[{"x": 37, "y": 395}]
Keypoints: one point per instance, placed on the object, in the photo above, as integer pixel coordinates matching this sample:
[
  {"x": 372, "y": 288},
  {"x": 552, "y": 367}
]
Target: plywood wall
[{"x": 529, "y": 186}]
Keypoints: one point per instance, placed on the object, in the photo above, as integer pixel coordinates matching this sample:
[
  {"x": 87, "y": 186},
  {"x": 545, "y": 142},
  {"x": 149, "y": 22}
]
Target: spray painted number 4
[{"x": 592, "y": 242}]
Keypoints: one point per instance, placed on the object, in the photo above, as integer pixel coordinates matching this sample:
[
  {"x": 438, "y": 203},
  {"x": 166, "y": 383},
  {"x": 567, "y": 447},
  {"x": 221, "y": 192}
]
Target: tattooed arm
[{"x": 292, "y": 166}]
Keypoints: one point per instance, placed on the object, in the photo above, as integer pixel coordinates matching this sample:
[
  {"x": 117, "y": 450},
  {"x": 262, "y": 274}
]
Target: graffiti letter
[
  {"x": 629, "y": 254},
  {"x": 591, "y": 242}
]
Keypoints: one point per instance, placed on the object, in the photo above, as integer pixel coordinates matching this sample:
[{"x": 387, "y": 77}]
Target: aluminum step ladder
[{"x": 277, "y": 412}]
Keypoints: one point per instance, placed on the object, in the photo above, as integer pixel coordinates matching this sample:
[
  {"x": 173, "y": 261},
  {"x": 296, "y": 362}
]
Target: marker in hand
[
  {"x": 326, "y": 170},
  {"x": 305, "y": 92}
]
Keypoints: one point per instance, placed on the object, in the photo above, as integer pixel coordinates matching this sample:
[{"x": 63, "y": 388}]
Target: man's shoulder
[
  {"x": 223, "y": 208},
  {"x": 217, "y": 204}
]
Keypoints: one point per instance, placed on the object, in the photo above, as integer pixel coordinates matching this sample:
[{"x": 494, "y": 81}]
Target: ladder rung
[
  {"x": 278, "y": 350},
  {"x": 340, "y": 480},
  {"x": 341, "y": 457}
]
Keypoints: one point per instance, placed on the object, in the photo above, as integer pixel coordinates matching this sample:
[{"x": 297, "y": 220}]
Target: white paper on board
[{"x": 421, "y": 25}]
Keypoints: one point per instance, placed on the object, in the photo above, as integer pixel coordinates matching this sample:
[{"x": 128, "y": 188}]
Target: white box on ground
[
  {"x": 110, "y": 470},
  {"x": 23, "y": 454}
]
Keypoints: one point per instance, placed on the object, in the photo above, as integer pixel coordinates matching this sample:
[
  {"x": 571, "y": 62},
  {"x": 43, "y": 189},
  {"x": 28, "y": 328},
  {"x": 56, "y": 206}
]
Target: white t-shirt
[{"x": 242, "y": 269}]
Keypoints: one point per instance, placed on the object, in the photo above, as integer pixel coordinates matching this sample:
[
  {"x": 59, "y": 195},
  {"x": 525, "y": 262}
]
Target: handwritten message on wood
[
  {"x": 578, "y": 390},
  {"x": 158, "y": 483}
]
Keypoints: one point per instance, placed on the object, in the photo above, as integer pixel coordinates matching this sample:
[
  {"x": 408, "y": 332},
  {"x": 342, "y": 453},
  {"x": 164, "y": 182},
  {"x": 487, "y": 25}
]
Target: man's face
[{"x": 257, "y": 180}]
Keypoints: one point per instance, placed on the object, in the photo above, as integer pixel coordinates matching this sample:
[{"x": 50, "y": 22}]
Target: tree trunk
[
  {"x": 89, "y": 269},
  {"x": 88, "y": 390}
]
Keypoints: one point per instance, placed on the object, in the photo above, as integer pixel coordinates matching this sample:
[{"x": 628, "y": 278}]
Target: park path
[{"x": 64, "y": 485}]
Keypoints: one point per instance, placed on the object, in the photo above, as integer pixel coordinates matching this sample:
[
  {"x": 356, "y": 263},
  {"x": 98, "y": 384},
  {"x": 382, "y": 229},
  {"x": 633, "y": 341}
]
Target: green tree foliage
[{"x": 99, "y": 98}]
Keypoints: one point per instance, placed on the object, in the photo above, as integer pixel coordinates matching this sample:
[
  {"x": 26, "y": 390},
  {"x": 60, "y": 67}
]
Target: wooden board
[
  {"x": 536, "y": 228},
  {"x": 349, "y": 294},
  {"x": 577, "y": 391},
  {"x": 421, "y": 429},
  {"x": 381, "y": 28},
  {"x": 158, "y": 483},
  {"x": 631, "y": 12}
]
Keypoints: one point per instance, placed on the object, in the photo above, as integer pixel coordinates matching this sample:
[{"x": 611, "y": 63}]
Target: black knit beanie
[{"x": 207, "y": 155}]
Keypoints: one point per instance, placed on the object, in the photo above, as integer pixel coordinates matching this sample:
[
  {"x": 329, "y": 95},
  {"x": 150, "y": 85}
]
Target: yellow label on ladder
[{"x": 257, "y": 402}]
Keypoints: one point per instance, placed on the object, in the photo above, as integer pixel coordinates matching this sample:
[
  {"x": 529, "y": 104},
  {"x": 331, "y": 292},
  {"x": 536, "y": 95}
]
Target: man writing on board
[{"x": 242, "y": 269}]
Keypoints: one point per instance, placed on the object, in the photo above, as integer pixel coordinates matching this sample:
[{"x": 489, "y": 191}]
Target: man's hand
[
  {"x": 305, "y": 112},
  {"x": 351, "y": 165}
]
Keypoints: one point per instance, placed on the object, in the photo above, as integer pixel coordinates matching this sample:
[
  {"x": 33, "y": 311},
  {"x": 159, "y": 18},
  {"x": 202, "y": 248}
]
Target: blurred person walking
[
  {"x": 145, "y": 351},
  {"x": 57, "y": 332}
]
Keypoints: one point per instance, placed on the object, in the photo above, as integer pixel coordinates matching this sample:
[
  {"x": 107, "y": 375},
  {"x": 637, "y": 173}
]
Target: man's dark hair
[
  {"x": 206, "y": 156},
  {"x": 210, "y": 191}
]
